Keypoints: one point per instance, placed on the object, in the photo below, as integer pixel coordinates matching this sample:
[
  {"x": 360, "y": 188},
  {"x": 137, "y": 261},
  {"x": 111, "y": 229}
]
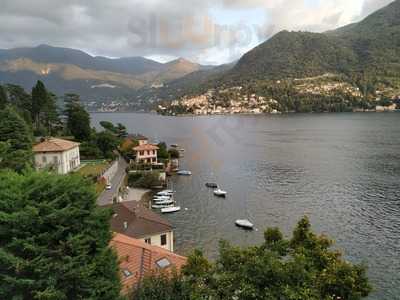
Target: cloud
[{"x": 208, "y": 31}]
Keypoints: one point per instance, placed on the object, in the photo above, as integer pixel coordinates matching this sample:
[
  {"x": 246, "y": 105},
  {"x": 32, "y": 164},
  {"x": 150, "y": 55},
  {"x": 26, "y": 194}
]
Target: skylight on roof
[
  {"x": 163, "y": 263},
  {"x": 126, "y": 273}
]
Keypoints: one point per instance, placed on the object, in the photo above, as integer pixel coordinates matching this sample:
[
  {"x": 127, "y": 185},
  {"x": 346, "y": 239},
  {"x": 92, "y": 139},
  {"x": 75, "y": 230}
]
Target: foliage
[
  {"x": 126, "y": 147},
  {"x": 173, "y": 153},
  {"x": 107, "y": 143},
  {"x": 43, "y": 109},
  {"x": 54, "y": 240},
  {"x": 303, "y": 267},
  {"x": 3, "y": 97},
  {"x": 162, "y": 152},
  {"x": 145, "y": 180},
  {"x": 78, "y": 119},
  {"x": 15, "y": 132}
]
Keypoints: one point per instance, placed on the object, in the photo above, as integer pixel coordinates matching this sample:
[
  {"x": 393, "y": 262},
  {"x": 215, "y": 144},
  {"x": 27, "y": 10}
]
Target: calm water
[{"x": 342, "y": 170}]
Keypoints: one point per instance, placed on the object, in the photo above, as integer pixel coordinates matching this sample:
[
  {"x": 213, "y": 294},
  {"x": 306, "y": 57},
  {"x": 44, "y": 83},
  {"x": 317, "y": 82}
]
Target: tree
[
  {"x": 108, "y": 126},
  {"x": 16, "y": 133},
  {"x": 162, "y": 152},
  {"x": 78, "y": 119},
  {"x": 303, "y": 267},
  {"x": 121, "y": 131},
  {"x": 39, "y": 101},
  {"x": 21, "y": 100},
  {"x": 107, "y": 143},
  {"x": 3, "y": 97},
  {"x": 54, "y": 240},
  {"x": 173, "y": 153}
]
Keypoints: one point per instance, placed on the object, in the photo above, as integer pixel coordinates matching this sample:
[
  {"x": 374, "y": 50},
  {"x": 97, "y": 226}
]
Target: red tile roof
[
  {"x": 140, "y": 221},
  {"x": 146, "y": 147},
  {"x": 54, "y": 145},
  {"x": 138, "y": 259}
]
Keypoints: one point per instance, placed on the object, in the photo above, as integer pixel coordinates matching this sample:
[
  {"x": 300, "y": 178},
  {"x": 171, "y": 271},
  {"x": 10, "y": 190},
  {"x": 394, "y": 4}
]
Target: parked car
[{"x": 108, "y": 187}]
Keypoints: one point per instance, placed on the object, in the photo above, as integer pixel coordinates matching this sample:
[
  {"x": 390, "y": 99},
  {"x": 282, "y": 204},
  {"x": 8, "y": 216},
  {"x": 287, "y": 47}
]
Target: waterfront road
[{"x": 106, "y": 197}]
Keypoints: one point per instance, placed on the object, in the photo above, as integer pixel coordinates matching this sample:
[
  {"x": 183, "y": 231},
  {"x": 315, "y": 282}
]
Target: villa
[
  {"x": 61, "y": 155},
  {"x": 146, "y": 153}
]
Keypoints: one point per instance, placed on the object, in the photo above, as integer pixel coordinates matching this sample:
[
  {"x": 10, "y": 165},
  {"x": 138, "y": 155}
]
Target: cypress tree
[
  {"x": 16, "y": 133},
  {"x": 54, "y": 240}
]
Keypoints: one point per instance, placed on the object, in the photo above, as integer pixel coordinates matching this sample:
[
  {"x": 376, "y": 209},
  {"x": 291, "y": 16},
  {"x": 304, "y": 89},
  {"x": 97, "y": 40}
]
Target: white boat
[
  {"x": 162, "y": 197},
  {"x": 220, "y": 193},
  {"x": 162, "y": 206},
  {"x": 171, "y": 209},
  {"x": 164, "y": 202},
  {"x": 167, "y": 191},
  {"x": 184, "y": 172},
  {"x": 244, "y": 224}
]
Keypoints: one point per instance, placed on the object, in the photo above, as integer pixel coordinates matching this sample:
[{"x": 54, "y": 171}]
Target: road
[{"x": 106, "y": 197}]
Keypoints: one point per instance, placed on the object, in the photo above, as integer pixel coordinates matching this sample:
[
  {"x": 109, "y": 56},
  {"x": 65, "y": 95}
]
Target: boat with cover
[
  {"x": 246, "y": 224},
  {"x": 184, "y": 172},
  {"x": 212, "y": 185}
]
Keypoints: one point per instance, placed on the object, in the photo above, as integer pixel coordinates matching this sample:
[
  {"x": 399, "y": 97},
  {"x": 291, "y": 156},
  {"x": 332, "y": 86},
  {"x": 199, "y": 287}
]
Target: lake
[{"x": 342, "y": 170}]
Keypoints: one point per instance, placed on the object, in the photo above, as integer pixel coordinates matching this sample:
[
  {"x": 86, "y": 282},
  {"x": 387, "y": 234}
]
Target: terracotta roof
[
  {"x": 140, "y": 221},
  {"x": 137, "y": 259},
  {"x": 54, "y": 145},
  {"x": 145, "y": 147}
]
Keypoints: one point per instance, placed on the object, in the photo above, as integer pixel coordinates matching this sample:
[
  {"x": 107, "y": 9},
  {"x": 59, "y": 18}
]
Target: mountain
[
  {"x": 372, "y": 45},
  {"x": 68, "y": 70}
]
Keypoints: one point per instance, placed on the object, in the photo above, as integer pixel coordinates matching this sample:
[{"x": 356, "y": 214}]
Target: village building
[
  {"x": 58, "y": 154},
  {"x": 133, "y": 220},
  {"x": 138, "y": 259},
  {"x": 146, "y": 153}
]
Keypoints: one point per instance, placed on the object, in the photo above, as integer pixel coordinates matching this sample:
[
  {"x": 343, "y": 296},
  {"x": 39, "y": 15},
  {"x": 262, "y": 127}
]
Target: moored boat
[
  {"x": 171, "y": 209},
  {"x": 184, "y": 173},
  {"x": 162, "y": 206},
  {"x": 220, "y": 193},
  {"x": 164, "y": 202},
  {"x": 246, "y": 224},
  {"x": 212, "y": 185}
]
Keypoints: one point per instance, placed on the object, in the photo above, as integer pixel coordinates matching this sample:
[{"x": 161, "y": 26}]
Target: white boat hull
[
  {"x": 170, "y": 209},
  {"x": 244, "y": 224}
]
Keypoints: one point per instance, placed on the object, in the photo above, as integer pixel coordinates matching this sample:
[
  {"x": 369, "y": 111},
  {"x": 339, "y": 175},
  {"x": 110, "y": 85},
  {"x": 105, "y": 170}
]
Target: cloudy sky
[{"x": 205, "y": 31}]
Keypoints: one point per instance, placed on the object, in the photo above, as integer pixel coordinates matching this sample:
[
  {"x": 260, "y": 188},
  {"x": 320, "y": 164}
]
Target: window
[
  {"x": 44, "y": 159},
  {"x": 163, "y": 263},
  {"x": 141, "y": 152},
  {"x": 147, "y": 241},
  {"x": 126, "y": 273},
  {"x": 163, "y": 239}
]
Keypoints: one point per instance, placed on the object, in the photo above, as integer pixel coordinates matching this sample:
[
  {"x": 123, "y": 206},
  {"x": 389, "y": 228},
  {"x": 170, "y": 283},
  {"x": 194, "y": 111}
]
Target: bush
[{"x": 145, "y": 180}]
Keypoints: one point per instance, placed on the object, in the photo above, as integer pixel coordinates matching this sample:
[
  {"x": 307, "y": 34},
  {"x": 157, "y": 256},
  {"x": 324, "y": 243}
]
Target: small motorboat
[
  {"x": 174, "y": 145},
  {"x": 181, "y": 150},
  {"x": 165, "y": 193},
  {"x": 212, "y": 185},
  {"x": 184, "y": 173},
  {"x": 220, "y": 193},
  {"x": 246, "y": 224},
  {"x": 162, "y": 197},
  {"x": 162, "y": 206},
  {"x": 171, "y": 209},
  {"x": 164, "y": 202}
]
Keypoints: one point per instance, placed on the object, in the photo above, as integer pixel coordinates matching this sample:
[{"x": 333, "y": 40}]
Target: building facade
[
  {"x": 60, "y": 155},
  {"x": 146, "y": 154},
  {"x": 136, "y": 221}
]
